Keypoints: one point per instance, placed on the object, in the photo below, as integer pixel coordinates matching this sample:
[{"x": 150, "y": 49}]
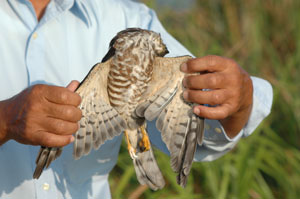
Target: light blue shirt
[{"x": 71, "y": 37}]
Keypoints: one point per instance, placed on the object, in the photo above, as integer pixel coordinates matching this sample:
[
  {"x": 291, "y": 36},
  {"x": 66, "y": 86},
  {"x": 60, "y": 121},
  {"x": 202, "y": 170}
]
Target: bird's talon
[{"x": 132, "y": 153}]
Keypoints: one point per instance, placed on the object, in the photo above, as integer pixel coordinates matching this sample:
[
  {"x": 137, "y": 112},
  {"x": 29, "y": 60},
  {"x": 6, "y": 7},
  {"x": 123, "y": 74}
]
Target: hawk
[{"x": 135, "y": 83}]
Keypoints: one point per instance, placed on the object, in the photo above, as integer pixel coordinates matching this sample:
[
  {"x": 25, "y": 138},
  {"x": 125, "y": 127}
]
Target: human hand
[
  {"x": 41, "y": 115},
  {"x": 230, "y": 91}
]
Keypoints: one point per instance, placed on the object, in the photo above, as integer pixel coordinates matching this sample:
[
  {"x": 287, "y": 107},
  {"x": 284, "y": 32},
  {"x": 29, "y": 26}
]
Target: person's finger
[
  {"x": 73, "y": 85},
  {"x": 213, "y": 113},
  {"x": 52, "y": 140},
  {"x": 205, "y": 81},
  {"x": 60, "y": 127},
  {"x": 64, "y": 112},
  {"x": 61, "y": 95},
  {"x": 212, "y": 97},
  {"x": 210, "y": 63}
]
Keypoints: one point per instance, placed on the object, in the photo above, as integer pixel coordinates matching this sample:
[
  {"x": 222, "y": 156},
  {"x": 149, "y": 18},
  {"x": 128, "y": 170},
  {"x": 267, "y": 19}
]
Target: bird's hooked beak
[{"x": 164, "y": 51}]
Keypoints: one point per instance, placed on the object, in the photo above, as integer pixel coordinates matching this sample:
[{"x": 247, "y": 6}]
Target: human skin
[{"x": 39, "y": 7}]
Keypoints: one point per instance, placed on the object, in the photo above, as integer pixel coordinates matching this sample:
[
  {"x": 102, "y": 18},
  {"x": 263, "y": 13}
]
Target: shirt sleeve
[{"x": 216, "y": 142}]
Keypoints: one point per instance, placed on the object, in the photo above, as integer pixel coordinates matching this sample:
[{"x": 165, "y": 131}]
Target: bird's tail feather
[{"x": 147, "y": 170}]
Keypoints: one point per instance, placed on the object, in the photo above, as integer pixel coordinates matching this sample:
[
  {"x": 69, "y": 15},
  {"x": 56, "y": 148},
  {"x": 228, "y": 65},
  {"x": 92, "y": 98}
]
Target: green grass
[{"x": 264, "y": 38}]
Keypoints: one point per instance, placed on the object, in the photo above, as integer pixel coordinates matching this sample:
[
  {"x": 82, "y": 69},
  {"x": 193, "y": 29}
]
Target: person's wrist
[
  {"x": 248, "y": 98},
  {"x": 235, "y": 122},
  {"x": 246, "y": 104},
  {"x": 4, "y": 137}
]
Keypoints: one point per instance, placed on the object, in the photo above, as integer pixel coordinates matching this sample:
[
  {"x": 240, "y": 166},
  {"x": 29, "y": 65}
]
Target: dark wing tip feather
[
  {"x": 200, "y": 130},
  {"x": 45, "y": 156},
  {"x": 181, "y": 180}
]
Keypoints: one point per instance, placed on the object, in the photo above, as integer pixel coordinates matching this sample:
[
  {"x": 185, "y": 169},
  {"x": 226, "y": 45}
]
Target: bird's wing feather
[
  {"x": 179, "y": 127},
  {"x": 44, "y": 158},
  {"x": 162, "y": 87},
  {"x": 99, "y": 122}
]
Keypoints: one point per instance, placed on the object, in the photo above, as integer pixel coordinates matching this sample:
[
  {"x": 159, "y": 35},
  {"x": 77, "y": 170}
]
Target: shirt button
[
  {"x": 218, "y": 130},
  {"x": 35, "y": 35},
  {"x": 46, "y": 186}
]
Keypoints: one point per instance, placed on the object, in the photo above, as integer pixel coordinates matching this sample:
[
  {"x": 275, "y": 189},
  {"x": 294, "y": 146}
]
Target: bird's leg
[
  {"x": 131, "y": 150},
  {"x": 144, "y": 144}
]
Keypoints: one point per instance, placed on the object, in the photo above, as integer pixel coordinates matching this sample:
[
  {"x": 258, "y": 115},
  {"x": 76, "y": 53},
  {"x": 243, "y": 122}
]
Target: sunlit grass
[{"x": 264, "y": 38}]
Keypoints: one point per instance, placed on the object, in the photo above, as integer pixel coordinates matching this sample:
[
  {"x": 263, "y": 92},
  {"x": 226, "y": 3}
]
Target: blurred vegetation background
[{"x": 264, "y": 38}]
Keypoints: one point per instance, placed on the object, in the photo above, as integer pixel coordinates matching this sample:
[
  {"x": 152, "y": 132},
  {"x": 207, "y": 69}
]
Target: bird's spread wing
[
  {"x": 99, "y": 122},
  {"x": 181, "y": 130}
]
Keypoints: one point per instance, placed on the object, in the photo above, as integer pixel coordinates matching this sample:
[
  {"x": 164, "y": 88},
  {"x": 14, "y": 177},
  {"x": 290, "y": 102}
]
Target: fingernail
[
  {"x": 72, "y": 139},
  {"x": 183, "y": 67},
  {"x": 196, "y": 111}
]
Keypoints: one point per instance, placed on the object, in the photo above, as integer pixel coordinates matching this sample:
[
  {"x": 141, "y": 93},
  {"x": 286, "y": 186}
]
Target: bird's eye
[{"x": 157, "y": 40}]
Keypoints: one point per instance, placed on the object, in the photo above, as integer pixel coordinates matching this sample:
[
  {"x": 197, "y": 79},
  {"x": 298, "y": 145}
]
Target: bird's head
[
  {"x": 158, "y": 45},
  {"x": 132, "y": 38}
]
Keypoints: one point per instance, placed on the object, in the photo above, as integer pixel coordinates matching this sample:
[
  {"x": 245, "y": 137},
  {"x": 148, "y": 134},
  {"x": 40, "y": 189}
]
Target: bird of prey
[{"x": 135, "y": 83}]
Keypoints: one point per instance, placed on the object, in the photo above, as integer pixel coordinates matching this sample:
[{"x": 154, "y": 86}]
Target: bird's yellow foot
[
  {"x": 144, "y": 144},
  {"x": 131, "y": 150}
]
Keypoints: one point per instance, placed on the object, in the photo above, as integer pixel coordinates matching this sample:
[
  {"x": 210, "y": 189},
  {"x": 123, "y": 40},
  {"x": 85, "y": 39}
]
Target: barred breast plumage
[{"x": 129, "y": 75}]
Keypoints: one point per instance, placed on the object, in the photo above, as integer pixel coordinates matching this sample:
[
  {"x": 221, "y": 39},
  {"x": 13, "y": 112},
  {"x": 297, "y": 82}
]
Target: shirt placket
[
  {"x": 35, "y": 57},
  {"x": 45, "y": 186}
]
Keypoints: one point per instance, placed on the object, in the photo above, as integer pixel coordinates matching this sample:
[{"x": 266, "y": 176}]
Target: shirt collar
[
  {"x": 77, "y": 7},
  {"x": 81, "y": 10}
]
